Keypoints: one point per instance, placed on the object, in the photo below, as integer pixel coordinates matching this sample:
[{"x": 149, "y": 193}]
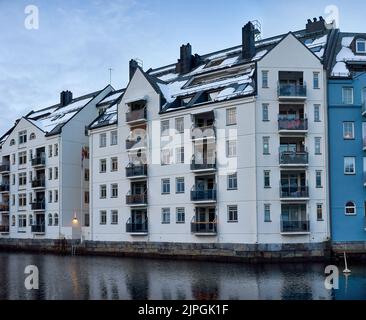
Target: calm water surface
[{"x": 66, "y": 277}]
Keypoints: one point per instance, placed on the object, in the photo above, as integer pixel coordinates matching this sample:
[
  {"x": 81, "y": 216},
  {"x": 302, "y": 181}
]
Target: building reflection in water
[{"x": 66, "y": 277}]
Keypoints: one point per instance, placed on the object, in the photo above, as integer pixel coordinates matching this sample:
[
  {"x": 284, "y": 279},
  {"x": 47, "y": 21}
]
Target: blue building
[{"x": 347, "y": 138}]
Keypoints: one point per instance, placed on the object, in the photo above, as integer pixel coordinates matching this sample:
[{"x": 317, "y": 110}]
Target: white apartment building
[
  {"x": 228, "y": 147},
  {"x": 43, "y": 169}
]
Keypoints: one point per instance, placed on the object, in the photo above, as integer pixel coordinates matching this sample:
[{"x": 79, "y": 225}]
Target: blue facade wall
[{"x": 345, "y": 188}]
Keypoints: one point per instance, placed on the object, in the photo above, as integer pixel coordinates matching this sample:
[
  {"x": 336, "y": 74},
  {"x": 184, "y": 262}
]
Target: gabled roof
[
  {"x": 224, "y": 75},
  {"x": 51, "y": 119},
  {"x": 110, "y": 114}
]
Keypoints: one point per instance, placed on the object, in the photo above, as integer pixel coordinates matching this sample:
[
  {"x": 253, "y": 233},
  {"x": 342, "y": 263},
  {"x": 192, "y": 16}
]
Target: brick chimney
[
  {"x": 65, "y": 98},
  {"x": 316, "y": 25},
  {"x": 187, "y": 62},
  {"x": 133, "y": 67},
  {"x": 248, "y": 41}
]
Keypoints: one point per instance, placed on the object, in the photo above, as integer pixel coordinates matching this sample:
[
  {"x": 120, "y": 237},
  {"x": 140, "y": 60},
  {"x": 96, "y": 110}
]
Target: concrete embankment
[{"x": 193, "y": 251}]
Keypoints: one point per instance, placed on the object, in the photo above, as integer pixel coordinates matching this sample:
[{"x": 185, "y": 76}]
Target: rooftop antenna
[
  {"x": 257, "y": 30},
  {"x": 110, "y": 75}
]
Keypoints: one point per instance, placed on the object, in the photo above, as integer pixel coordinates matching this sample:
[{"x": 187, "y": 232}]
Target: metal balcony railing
[
  {"x": 294, "y": 158},
  {"x": 295, "y": 226},
  {"x": 133, "y": 227}
]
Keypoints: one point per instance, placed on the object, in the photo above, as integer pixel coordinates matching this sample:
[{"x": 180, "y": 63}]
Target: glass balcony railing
[
  {"x": 5, "y": 167},
  {"x": 136, "y": 199},
  {"x": 294, "y": 226},
  {"x": 294, "y": 158},
  {"x": 204, "y": 227},
  {"x": 134, "y": 227},
  {"x": 136, "y": 171},
  {"x": 291, "y": 124},
  {"x": 203, "y": 195},
  {"x": 38, "y": 228},
  {"x": 136, "y": 115},
  {"x": 292, "y": 91},
  {"x": 296, "y": 192}
]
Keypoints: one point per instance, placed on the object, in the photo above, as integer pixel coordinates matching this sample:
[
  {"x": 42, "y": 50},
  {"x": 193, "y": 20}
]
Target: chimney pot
[{"x": 65, "y": 98}]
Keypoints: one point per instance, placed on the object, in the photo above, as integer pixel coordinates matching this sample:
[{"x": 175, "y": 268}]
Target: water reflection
[{"x": 65, "y": 277}]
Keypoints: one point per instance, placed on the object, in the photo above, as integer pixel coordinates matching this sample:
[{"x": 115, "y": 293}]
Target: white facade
[
  {"x": 291, "y": 56},
  {"x": 154, "y": 217},
  {"x": 45, "y": 203}
]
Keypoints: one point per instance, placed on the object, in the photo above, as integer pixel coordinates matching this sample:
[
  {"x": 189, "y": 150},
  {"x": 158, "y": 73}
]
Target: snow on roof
[
  {"x": 345, "y": 57},
  {"x": 114, "y": 95},
  {"x": 51, "y": 118}
]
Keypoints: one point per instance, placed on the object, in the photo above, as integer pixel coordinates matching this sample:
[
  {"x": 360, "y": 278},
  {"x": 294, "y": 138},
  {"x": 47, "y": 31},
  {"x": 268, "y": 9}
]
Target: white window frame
[
  {"x": 180, "y": 212},
  {"x": 114, "y": 217},
  {"x": 103, "y": 217},
  {"x": 114, "y": 138},
  {"x": 102, "y": 165},
  {"x": 266, "y": 146},
  {"x": 114, "y": 190},
  {"x": 179, "y": 125},
  {"x": 267, "y": 210},
  {"x": 344, "y": 89},
  {"x": 232, "y": 181},
  {"x": 265, "y": 112},
  {"x": 231, "y": 150},
  {"x": 360, "y": 41},
  {"x": 231, "y": 116},
  {"x": 265, "y": 79},
  {"x": 165, "y": 215},
  {"x": 232, "y": 214},
  {"x": 316, "y": 80},
  {"x": 165, "y": 182},
  {"x": 353, "y": 159},
  {"x": 102, "y": 188},
  {"x": 354, "y": 207},
  {"x": 352, "y": 137},
  {"x": 317, "y": 113},
  {"x": 164, "y": 128},
  {"x": 179, "y": 181},
  {"x": 103, "y": 140}
]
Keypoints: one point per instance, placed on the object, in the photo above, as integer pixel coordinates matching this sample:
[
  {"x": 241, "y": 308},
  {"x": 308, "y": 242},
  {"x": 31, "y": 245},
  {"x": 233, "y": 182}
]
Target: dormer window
[{"x": 361, "y": 46}]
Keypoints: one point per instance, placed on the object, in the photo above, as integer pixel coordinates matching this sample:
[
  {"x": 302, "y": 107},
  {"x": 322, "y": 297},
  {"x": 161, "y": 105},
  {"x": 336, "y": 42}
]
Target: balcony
[
  {"x": 291, "y": 92},
  {"x": 293, "y": 159},
  {"x": 5, "y": 168},
  {"x": 4, "y": 207},
  {"x": 4, "y": 229},
  {"x": 136, "y": 171},
  {"x": 294, "y": 192},
  {"x": 206, "y": 132},
  {"x": 38, "y": 206},
  {"x": 39, "y": 161},
  {"x": 136, "y": 199},
  {"x": 203, "y": 165},
  {"x": 39, "y": 184},
  {"x": 38, "y": 229},
  {"x": 135, "y": 144},
  {"x": 295, "y": 227},
  {"x": 137, "y": 229},
  {"x": 290, "y": 125},
  {"x": 206, "y": 228},
  {"x": 4, "y": 187},
  {"x": 208, "y": 195},
  {"x": 136, "y": 116}
]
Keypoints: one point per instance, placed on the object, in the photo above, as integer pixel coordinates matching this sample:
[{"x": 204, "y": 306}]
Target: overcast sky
[{"x": 79, "y": 40}]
